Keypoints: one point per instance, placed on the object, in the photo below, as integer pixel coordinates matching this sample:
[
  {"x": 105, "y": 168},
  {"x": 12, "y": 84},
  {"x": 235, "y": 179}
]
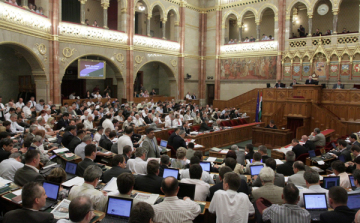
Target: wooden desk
[
  {"x": 271, "y": 138},
  {"x": 225, "y": 137},
  {"x": 308, "y": 91},
  {"x": 309, "y": 162},
  {"x": 73, "y": 159},
  {"x": 217, "y": 154}
]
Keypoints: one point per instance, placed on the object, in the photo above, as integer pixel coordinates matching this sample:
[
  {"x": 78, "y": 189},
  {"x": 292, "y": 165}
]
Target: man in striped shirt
[
  {"x": 289, "y": 211},
  {"x": 173, "y": 209}
]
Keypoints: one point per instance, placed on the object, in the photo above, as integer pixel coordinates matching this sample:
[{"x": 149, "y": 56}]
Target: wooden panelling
[
  {"x": 156, "y": 99},
  {"x": 271, "y": 138}
]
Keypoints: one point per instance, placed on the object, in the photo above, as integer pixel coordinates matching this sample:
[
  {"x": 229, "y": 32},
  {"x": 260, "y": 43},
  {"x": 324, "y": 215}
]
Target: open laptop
[
  {"x": 118, "y": 210},
  {"x": 315, "y": 204},
  {"x": 313, "y": 156},
  {"x": 354, "y": 201},
  {"x": 163, "y": 144},
  {"x": 352, "y": 182},
  {"x": 205, "y": 166},
  {"x": 186, "y": 190},
  {"x": 255, "y": 169},
  {"x": 251, "y": 160},
  {"x": 329, "y": 182},
  {"x": 168, "y": 172},
  {"x": 70, "y": 170},
  {"x": 52, "y": 191}
]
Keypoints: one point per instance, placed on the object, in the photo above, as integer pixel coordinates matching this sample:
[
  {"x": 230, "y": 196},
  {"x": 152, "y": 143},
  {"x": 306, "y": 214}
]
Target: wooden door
[{"x": 210, "y": 93}]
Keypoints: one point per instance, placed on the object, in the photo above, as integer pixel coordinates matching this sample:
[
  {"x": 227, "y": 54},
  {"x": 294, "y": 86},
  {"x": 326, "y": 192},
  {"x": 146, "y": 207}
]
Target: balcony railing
[
  {"x": 250, "y": 47},
  {"x": 148, "y": 42}
]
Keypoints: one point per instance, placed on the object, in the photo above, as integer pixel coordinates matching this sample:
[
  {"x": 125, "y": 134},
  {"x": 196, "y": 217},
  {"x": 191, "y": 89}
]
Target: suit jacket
[
  {"x": 204, "y": 127},
  {"x": 225, "y": 116},
  {"x": 28, "y": 139},
  {"x": 26, "y": 215},
  {"x": 161, "y": 169},
  {"x": 309, "y": 145},
  {"x": 292, "y": 84},
  {"x": 249, "y": 156},
  {"x": 148, "y": 183},
  {"x": 299, "y": 149},
  {"x": 318, "y": 140},
  {"x": 105, "y": 143},
  {"x": 335, "y": 86},
  {"x": 340, "y": 214},
  {"x": 312, "y": 82},
  {"x": 297, "y": 179},
  {"x": 79, "y": 112},
  {"x": 278, "y": 85},
  {"x": 171, "y": 139},
  {"x": 82, "y": 166},
  {"x": 148, "y": 120},
  {"x": 178, "y": 142},
  {"x": 286, "y": 168},
  {"x": 113, "y": 172},
  {"x": 73, "y": 143},
  {"x": 27, "y": 174},
  {"x": 219, "y": 186},
  {"x": 166, "y": 110},
  {"x": 62, "y": 123},
  {"x": 66, "y": 139},
  {"x": 264, "y": 158},
  {"x": 279, "y": 181},
  {"x": 4, "y": 154},
  {"x": 346, "y": 153},
  {"x": 270, "y": 192},
  {"x": 148, "y": 144}
]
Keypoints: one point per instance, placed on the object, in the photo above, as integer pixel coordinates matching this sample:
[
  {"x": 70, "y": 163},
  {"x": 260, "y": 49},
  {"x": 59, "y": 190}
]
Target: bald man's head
[{"x": 170, "y": 186}]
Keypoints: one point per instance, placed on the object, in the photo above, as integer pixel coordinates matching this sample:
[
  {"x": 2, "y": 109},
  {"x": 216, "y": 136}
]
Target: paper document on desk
[
  {"x": 4, "y": 181},
  {"x": 148, "y": 198},
  {"x": 198, "y": 146},
  {"x": 111, "y": 185},
  {"x": 194, "y": 133},
  {"x": 61, "y": 150},
  {"x": 317, "y": 169},
  {"x": 224, "y": 151},
  {"x": 61, "y": 211},
  {"x": 278, "y": 162},
  {"x": 321, "y": 162},
  {"x": 17, "y": 192},
  {"x": 211, "y": 159},
  {"x": 215, "y": 149},
  {"x": 78, "y": 181}
]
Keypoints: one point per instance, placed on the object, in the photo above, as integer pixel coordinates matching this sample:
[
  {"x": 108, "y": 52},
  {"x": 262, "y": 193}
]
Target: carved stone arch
[
  {"x": 320, "y": 49},
  {"x": 162, "y": 9},
  {"x": 291, "y": 5},
  {"x": 227, "y": 14},
  {"x": 176, "y": 10},
  {"x": 266, "y": 6},
  {"x": 147, "y": 3},
  {"x": 241, "y": 16}
]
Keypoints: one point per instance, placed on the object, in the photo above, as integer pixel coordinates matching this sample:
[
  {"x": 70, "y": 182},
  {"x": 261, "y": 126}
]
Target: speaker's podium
[
  {"x": 271, "y": 138},
  {"x": 307, "y": 91}
]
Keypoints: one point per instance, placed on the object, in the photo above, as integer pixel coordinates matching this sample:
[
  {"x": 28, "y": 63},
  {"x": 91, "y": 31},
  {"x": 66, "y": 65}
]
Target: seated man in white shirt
[
  {"x": 312, "y": 180},
  {"x": 173, "y": 209},
  {"x": 88, "y": 124},
  {"x": 202, "y": 189},
  {"x": 188, "y": 96},
  {"x": 138, "y": 121},
  {"x": 169, "y": 122},
  {"x": 27, "y": 110},
  {"x": 264, "y": 37},
  {"x": 205, "y": 175},
  {"x": 15, "y": 127},
  {"x": 228, "y": 204},
  {"x": 8, "y": 115},
  {"x": 40, "y": 106},
  {"x": 20, "y": 103},
  {"x": 138, "y": 165},
  {"x": 8, "y": 167}
]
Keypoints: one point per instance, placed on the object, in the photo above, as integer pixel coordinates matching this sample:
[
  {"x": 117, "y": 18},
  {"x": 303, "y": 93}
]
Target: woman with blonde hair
[
  {"x": 49, "y": 126},
  {"x": 180, "y": 160}
]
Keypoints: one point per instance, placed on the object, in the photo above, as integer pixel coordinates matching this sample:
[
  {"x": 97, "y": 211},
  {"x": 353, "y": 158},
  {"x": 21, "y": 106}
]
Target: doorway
[
  {"x": 210, "y": 93},
  {"x": 138, "y": 81}
]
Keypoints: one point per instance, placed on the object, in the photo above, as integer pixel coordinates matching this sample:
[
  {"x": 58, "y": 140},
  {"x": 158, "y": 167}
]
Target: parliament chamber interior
[{"x": 173, "y": 111}]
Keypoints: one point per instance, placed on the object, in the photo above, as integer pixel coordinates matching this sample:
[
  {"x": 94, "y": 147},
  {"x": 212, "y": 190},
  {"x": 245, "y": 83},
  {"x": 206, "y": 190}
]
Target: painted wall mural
[{"x": 249, "y": 68}]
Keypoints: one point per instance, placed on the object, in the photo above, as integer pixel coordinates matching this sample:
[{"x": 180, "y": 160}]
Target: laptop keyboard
[
  {"x": 109, "y": 219},
  {"x": 315, "y": 215}
]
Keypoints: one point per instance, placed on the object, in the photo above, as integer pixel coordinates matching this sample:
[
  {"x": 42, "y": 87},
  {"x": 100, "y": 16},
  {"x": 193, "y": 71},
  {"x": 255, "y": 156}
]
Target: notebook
[
  {"x": 118, "y": 210},
  {"x": 70, "y": 170},
  {"x": 315, "y": 204},
  {"x": 255, "y": 169},
  {"x": 329, "y": 182},
  {"x": 205, "y": 166},
  {"x": 52, "y": 191},
  {"x": 352, "y": 181},
  {"x": 354, "y": 201},
  {"x": 171, "y": 173},
  {"x": 186, "y": 190}
]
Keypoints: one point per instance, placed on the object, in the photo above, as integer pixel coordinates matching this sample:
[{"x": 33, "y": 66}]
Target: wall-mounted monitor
[{"x": 91, "y": 69}]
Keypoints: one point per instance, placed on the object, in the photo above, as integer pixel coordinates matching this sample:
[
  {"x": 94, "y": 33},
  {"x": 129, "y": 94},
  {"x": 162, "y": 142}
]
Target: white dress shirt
[
  {"x": 344, "y": 180},
  {"x": 19, "y": 105},
  {"x": 231, "y": 206},
  {"x": 33, "y": 103},
  {"x": 7, "y": 117},
  {"x": 159, "y": 110},
  {"x": 157, "y": 119},
  {"x": 97, "y": 137},
  {"x": 88, "y": 124},
  {"x": 177, "y": 122},
  {"x": 312, "y": 189},
  {"x": 98, "y": 199},
  {"x": 137, "y": 165},
  {"x": 2, "y": 107},
  {"x": 16, "y": 128},
  {"x": 124, "y": 140},
  {"x": 202, "y": 189},
  {"x": 80, "y": 150},
  {"x": 107, "y": 123},
  {"x": 169, "y": 124},
  {"x": 206, "y": 177},
  {"x": 39, "y": 107},
  {"x": 173, "y": 209},
  {"x": 138, "y": 122},
  {"x": 8, "y": 168},
  {"x": 27, "y": 112}
]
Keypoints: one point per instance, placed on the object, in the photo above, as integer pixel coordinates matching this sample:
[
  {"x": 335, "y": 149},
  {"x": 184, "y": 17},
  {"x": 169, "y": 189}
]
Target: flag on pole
[
  {"x": 260, "y": 107},
  {"x": 257, "y": 108}
]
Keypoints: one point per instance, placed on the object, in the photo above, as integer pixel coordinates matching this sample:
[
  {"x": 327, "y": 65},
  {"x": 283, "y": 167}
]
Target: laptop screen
[
  {"x": 315, "y": 201},
  {"x": 312, "y": 153},
  {"x": 171, "y": 173},
  {"x": 119, "y": 207},
  {"x": 251, "y": 160},
  {"x": 354, "y": 201},
  {"x": 205, "y": 166},
  {"x": 163, "y": 143},
  {"x": 342, "y": 158},
  {"x": 255, "y": 170},
  {"x": 51, "y": 190},
  {"x": 351, "y": 178},
  {"x": 186, "y": 190},
  {"x": 331, "y": 182},
  {"x": 70, "y": 168}
]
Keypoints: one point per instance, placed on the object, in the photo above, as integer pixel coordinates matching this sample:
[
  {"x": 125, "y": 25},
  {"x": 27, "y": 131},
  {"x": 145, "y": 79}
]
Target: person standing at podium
[{"x": 271, "y": 125}]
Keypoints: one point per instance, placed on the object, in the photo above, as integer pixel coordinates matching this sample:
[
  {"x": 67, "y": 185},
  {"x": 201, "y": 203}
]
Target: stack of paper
[
  {"x": 61, "y": 211},
  {"x": 194, "y": 133},
  {"x": 198, "y": 146},
  {"x": 278, "y": 162},
  {"x": 224, "y": 151},
  {"x": 60, "y": 150},
  {"x": 148, "y": 198},
  {"x": 215, "y": 149},
  {"x": 78, "y": 181},
  {"x": 111, "y": 185},
  {"x": 211, "y": 159},
  {"x": 4, "y": 181}
]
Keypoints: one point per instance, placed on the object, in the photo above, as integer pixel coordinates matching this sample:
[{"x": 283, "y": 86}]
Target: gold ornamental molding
[
  {"x": 120, "y": 58},
  {"x": 42, "y": 50},
  {"x": 67, "y": 53}
]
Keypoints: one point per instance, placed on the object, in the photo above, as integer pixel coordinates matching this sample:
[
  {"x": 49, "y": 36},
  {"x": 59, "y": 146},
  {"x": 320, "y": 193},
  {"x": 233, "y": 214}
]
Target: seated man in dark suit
[
  {"x": 219, "y": 186},
  {"x": 90, "y": 155},
  {"x": 179, "y": 140},
  {"x": 287, "y": 168},
  {"x": 29, "y": 173},
  {"x": 343, "y": 150},
  {"x": 164, "y": 163},
  {"x": 185, "y": 127},
  {"x": 338, "y": 201},
  {"x": 338, "y": 85},
  {"x": 76, "y": 140},
  {"x": 226, "y": 115},
  {"x": 6, "y": 148},
  {"x": 293, "y": 83},
  {"x": 297, "y": 148},
  {"x": 105, "y": 141},
  {"x": 63, "y": 122},
  {"x": 204, "y": 126},
  {"x": 311, "y": 81},
  {"x": 69, "y": 134},
  {"x": 150, "y": 182},
  {"x": 127, "y": 150},
  {"x": 172, "y": 136},
  {"x": 308, "y": 144},
  {"x": 271, "y": 125},
  {"x": 278, "y": 84},
  {"x": 33, "y": 199},
  {"x": 118, "y": 167}
]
